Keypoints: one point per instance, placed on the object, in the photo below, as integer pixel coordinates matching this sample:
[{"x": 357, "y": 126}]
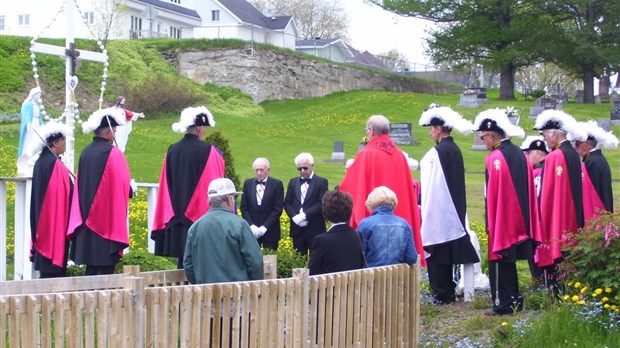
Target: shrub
[
  {"x": 148, "y": 262},
  {"x": 157, "y": 94},
  {"x": 288, "y": 258},
  {"x": 592, "y": 256},
  {"x": 537, "y": 93},
  {"x": 217, "y": 138}
]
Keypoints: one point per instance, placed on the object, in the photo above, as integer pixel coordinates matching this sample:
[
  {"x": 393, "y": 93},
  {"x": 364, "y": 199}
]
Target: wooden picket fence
[{"x": 374, "y": 307}]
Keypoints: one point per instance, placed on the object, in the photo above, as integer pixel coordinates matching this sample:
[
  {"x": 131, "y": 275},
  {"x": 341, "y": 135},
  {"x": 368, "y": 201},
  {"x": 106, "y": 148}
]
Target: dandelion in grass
[
  {"x": 584, "y": 289},
  {"x": 599, "y": 291},
  {"x": 504, "y": 323},
  {"x": 608, "y": 290},
  {"x": 577, "y": 285}
]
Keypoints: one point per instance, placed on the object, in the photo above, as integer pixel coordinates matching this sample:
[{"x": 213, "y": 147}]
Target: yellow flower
[
  {"x": 594, "y": 294},
  {"x": 606, "y": 306},
  {"x": 569, "y": 283},
  {"x": 599, "y": 291},
  {"x": 608, "y": 290},
  {"x": 566, "y": 297},
  {"x": 504, "y": 323},
  {"x": 584, "y": 289},
  {"x": 614, "y": 307},
  {"x": 577, "y": 285},
  {"x": 575, "y": 298},
  {"x": 582, "y": 302},
  {"x": 604, "y": 299}
]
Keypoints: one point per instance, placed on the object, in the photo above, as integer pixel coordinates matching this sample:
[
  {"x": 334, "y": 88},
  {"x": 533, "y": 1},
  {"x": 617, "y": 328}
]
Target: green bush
[
  {"x": 537, "y": 93},
  {"x": 592, "y": 256},
  {"x": 217, "y": 138},
  {"x": 157, "y": 94},
  {"x": 148, "y": 262},
  {"x": 288, "y": 259}
]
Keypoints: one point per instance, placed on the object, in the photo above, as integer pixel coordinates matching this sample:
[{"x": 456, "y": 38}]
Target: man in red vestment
[
  {"x": 98, "y": 223},
  {"x": 189, "y": 166},
  {"x": 561, "y": 205},
  {"x": 511, "y": 208},
  {"x": 596, "y": 173},
  {"x": 381, "y": 163},
  {"x": 50, "y": 202}
]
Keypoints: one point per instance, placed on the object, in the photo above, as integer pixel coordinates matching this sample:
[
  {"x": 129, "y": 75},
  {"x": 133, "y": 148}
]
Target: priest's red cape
[
  {"x": 382, "y": 163},
  {"x": 54, "y": 216},
  {"x": 505, "y": 220},
  {"x": 106, "y": 217},
  {"x": 556, "y": 199},
  {"x": 198, "y": 204}
]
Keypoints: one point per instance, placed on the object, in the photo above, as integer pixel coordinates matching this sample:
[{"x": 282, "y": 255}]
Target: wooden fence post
[
  {"x": 302, "y": 323},
  {"x": 271, "y": 266},
  {"x": 134, "y": 328},
  {"x": 133, "y": 270}
]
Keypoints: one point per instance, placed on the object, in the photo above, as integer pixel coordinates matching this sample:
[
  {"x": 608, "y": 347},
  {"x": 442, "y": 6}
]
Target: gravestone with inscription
[
  {"x": 338, "y": 153},
  {"x": 469, "y": 100},
  {"x": 481, "y": 94},
  {"x": 615, "y": 113},
  {"x": 401, "y": 133},
  {"x": 546, "y": 102}
]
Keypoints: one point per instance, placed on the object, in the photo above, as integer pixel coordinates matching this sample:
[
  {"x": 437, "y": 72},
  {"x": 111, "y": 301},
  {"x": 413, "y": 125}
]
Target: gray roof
[
  {"x": 365, "y": 58},
  {"x": 172, "y": 7},
  {"x": 249, "y": 14}
]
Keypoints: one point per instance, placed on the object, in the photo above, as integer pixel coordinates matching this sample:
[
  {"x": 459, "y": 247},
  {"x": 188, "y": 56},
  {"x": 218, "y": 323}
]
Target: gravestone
[
  {"x": 338, "y": 153},
  {"x": 401, "y": 133},
  {"x": 613, "y": 97},
  {"x": 579, "y": 96},
  {"x": 478, "y": 144},
  {"x": 481, "y": 94},
  {"x": 614, "y": 115},
  {"x": 469, "y": 100},
  {"x": 604, "y": 123},
  {"x": 546, "y": 102}
]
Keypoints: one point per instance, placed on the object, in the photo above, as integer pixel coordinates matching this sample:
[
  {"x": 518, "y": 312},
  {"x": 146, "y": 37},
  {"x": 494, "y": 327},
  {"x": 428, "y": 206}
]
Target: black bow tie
[
  {"x": 302, "y": 180},
  {"x": 259, "y": 182}
]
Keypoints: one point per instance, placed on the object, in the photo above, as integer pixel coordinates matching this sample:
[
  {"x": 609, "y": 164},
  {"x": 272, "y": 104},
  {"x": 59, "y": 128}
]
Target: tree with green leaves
[
  {"x": 394, "y": 60},
  {"x": 585, "y": 40},
  {"x": 499, "y": 35}
]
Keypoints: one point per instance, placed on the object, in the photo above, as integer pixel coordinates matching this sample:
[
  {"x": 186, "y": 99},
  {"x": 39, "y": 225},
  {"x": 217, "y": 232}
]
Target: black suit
[
  {"x": 312, "y": 207},
  {"x": 338, "y": 250},
  {"x": 268, "y": 213}
]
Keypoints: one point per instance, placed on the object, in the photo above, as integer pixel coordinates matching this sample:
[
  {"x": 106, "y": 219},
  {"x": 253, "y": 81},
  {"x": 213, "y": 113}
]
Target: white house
[
  {"x": 148, "y": 18},
  {"x": 332, "y": 49},
  {"x": 239, "y": 19}
]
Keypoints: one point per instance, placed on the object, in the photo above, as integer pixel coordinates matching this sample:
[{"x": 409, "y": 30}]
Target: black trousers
[
  {"x": 441, "y": 281},
  {"x": 99, "y": 270},
  {"x": 505, "y": 284},
  {"x": 302, "y": 243}
]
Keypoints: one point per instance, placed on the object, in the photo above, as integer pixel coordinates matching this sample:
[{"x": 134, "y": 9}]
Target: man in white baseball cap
[{"x": 220, "y": 245}]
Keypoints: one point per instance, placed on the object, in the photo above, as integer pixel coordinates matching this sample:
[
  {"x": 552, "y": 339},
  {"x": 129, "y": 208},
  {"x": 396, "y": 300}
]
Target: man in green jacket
[{"x": 220, "y": 245}]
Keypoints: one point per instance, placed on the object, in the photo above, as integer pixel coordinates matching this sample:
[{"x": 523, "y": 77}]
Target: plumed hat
[
  {"x": 595, "y": 132},
  {"x": 556, "y": 119},
  {"x": 193, "y": 116},
  {"x": 534, "y": 142},
  {"x": 446, "y": 117},
  {"x": 48, "y": 132},
  {"x": 496, "y": 120},
  {"x": 104, "y": 118}
]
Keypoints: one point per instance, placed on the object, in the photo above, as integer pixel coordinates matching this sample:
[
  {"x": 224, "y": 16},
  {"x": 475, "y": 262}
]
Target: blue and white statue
[{"x": 31, "y": 120}]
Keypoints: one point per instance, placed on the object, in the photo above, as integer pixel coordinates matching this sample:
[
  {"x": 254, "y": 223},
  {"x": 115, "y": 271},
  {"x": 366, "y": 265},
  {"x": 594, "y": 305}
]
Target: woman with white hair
[{"x": 387, "y": 239}]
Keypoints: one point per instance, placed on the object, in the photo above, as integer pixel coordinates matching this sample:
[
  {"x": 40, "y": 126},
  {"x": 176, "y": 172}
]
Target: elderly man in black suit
[
  {"x": 261, "y": 204},
  {"x": 303, "y": 204}
]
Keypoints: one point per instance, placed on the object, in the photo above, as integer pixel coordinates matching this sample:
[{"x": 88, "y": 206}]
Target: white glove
[
  {"x": 299, "y": 218},
  {"x": 303, "y": 223},
  {"x": 261, "y": 231},
  {"x": 134, "y": 187},
  {"x": 254, "y": 229}
]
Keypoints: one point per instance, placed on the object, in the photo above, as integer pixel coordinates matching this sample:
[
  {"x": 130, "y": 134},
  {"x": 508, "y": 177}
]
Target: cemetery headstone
[
  {"x": 613, "y": 97},
  {"x": 604, "y": 123},
  {"x": 338, "y": 153},
  {"x": 615, "y": 113},
  {"x": 401, "y": 133},
  {"x": 469, "y": 99},
  {"x": 481, "y": 94}
]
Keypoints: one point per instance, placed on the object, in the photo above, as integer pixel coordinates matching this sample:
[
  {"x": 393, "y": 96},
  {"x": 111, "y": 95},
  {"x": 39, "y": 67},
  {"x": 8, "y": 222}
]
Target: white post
[
  {"x": 22, "y": 264},
  {"x": 468, "y": 281},
  {"x": 69, "y": 156}
]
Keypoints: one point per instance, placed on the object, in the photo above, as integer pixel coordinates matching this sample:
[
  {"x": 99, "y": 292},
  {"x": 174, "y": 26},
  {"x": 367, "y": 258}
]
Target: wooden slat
[
  {"x": 207, "y": 318},
  {"x": 349, "y": 309},
  {"x": 337, "y": 319},
  {"x": 272, "y": 314},
  {"x": 59, "y": 321},
  {"x": 321, "y": 302},
  {"x": 217, "y": 315},
  {"x": 14, "y": 328},
  {"x": 329, "y": 310},
  {"x": 197, "y": 314},
  {"x": 89, "y": 319},
  {"x": 55, "y": 285},
  {"x": 236, "y": 315},
  {"x": 400, "y": 287},
  {"x": 388, "y": 312},
  {"x": 370, "y": 307},
  {"x": 114, "y": 324},
  {"x": 281, "y": 313},
  {"x": 151, "y": 312},
  {"x": 31, "y": 326},
  {"x": 185, "y": 317},
  {"x": 357, "y": 308},
  {"x": 246, "y": 323},
  {"x": 313, "y": 309},
  {"x": 74, "y": 329},
  {"x": 226, "y": 308},
  {"x": 175, "y": 313},
  {"x": 47, "y": 308},
  {"x": 103, "y": 317},
  {"x": 263, "y": 308}
]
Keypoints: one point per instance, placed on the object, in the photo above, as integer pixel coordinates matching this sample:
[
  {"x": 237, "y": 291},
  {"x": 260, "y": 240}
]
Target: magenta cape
[
  {"x": 592, "y": 203},
  {"x": 505, "y": 220},
  {"x": 556, "y": 209},
  {"x": 198, "y": 204},
  {"x": 106, "y": 217},
  {"x": 382, "y": 163},
  {"x": 54, "y": 216}
]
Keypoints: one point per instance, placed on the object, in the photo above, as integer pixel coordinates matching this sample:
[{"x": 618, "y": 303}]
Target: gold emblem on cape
[
  {"x": 497, "y": 163},
  {"x": 559, "y": 170}
]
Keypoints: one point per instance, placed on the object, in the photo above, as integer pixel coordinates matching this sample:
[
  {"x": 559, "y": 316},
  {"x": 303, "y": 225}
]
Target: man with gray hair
[
  {"x": 381, "y": 163},
  {"x": 262, "y": 203},
  {"x": 220, "y": 246},
  {"x": 303, "y": 204}
]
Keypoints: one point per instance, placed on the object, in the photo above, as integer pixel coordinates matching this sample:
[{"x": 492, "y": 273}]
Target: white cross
[{"x": 69, "y": 54}]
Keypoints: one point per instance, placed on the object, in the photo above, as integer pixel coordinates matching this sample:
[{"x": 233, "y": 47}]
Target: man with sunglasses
[{"x": 303, "y": 204}]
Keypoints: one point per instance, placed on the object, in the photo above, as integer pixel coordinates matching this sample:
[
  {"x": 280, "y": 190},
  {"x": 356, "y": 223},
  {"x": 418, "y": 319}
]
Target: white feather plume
[
  {"x": 45, "y": 131},
  {"x": 188, "y": 118},
  {"x": 94, "y": 120},
  {"x": 566, "y": 122},
  {"x": 592, "y": 129},
  {"x": 501, "y": 118},
  {"x": 450, "y": 118}
]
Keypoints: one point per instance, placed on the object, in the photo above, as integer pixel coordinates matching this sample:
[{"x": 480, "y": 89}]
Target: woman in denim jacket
[{"x": 387, "y": 239}]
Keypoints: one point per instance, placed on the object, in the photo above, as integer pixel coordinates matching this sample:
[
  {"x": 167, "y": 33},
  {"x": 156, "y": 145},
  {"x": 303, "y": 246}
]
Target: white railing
[{"x": 21, "y": 262}]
